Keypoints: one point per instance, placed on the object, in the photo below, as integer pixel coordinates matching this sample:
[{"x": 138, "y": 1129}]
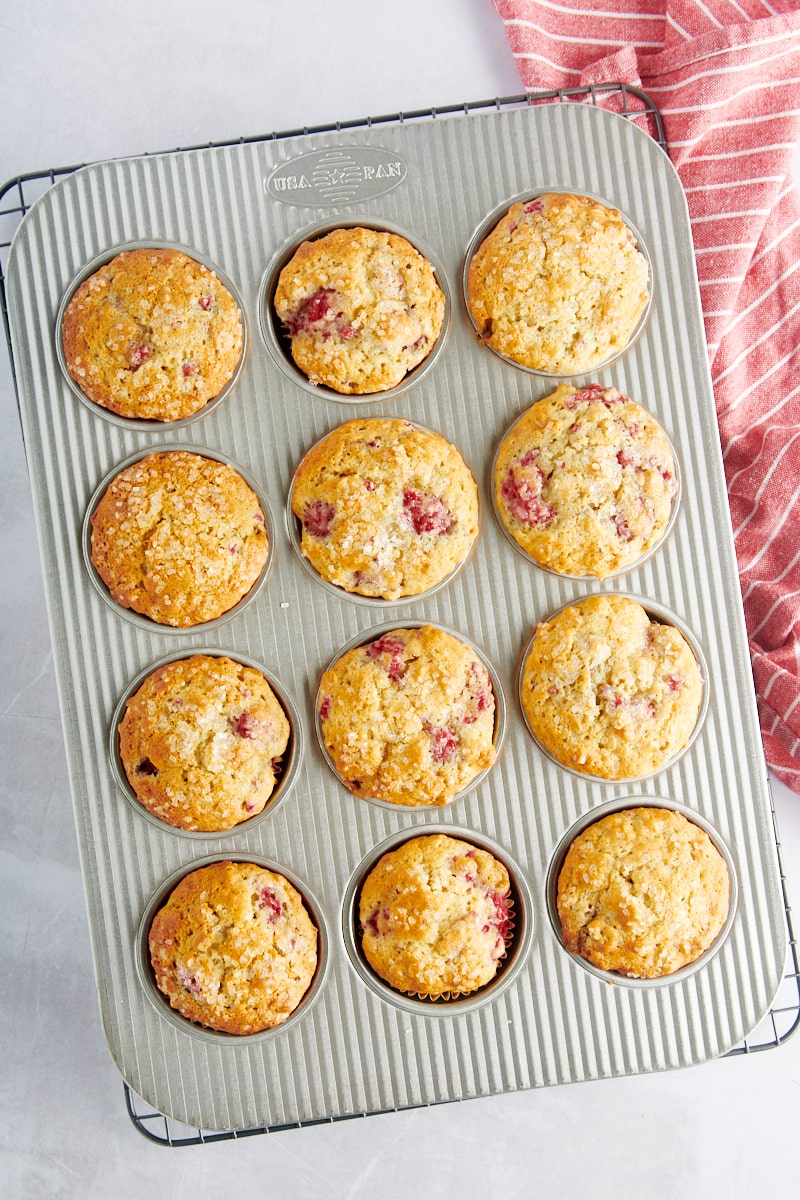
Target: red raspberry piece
[
  {"x": 318, "y": 518},
  {"x": 312, "y": 310},
  {"x": 189, "y": 369},
  {"x": 445, "y": 744},
  {"x": 205, "y": 302},
  {"x": 622, "y": 527},
  {"x": 187, "y": 980},
  {"x": 534, "y": 206},
  {"x": 524, "y": 500},
  {"x": 268, "y": 900},
  {"x": 625, "y": 460},
  {"x": 326, "y": 704},
  {"x": 427, "y": 514},
  {"x": 246, "y": 725},
  {"x": 502, "y": 919},
  {"x": 675, "y": 682},
  {"x": 393, "y": 646},
  {"x": 139, "y": 355}
]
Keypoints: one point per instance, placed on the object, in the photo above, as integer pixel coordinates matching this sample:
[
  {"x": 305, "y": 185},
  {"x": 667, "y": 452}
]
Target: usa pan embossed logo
[{"x": 323, "y": 178}]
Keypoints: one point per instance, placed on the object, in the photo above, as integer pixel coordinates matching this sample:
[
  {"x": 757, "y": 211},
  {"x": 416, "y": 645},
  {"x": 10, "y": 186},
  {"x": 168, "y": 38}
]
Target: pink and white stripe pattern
[{"x": 726, "y": 76}]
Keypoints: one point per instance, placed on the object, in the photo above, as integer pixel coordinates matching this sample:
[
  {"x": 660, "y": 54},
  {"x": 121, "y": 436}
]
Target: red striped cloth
[{"x": 726, "y": 76}]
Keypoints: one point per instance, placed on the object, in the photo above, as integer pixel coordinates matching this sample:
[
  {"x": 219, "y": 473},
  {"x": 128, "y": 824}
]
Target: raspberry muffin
[
  {"x": 642, "y": 892},
  {"x": 234, "y": 948},
  {"x": 201, "y": 742},
  {"x": 559, "y": 285},
  {"x": 610, "y": 692},
  {"x": 584, "y": 481},
  {"x": 179, "y": 538},
  {"x": 361, "y": 308},
  {"x": 408, "y": 718},
  {"x": 386, "y": 509},
  {"x": 435, "y": 916},
  {"x": 152, "y": 334}
]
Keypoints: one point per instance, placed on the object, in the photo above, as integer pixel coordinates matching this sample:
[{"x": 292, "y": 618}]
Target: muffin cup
[
  {"x": 150, "y": 425},
  {"x": 279, "y": 344},
  {"x": 161, "y": 1002},
  {"x": 510, "y": 964},
  {"x": 486, "y": 227},
  {"x": 591, "y": 818},
  {"x": 140, "y": 619},
  {"x": 371, "y": 635},
  {"x": 676, "y": 502},
  {"x": 656, "y": 613},
  {"x": 290, "y": 760},
  {"x": 294, "y": 530}
]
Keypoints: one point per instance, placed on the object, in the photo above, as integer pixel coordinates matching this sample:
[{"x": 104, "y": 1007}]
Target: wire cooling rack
[{"x": 16, "y": 198}]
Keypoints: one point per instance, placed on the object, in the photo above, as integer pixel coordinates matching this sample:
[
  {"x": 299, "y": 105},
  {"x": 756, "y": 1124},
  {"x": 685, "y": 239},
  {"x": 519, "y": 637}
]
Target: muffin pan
[{"x": 351, "y": 1049}]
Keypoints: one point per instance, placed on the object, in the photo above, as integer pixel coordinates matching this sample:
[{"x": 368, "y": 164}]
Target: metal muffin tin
[{"x": 352, "y": 1051}]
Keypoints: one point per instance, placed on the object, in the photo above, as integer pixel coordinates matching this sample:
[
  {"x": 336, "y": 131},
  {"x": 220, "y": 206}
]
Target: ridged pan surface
[{"x": 352, "y": 1052}]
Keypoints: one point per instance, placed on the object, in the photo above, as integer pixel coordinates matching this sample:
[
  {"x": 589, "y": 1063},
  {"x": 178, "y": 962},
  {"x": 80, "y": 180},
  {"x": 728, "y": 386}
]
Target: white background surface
[{"x": 89, "y": 80}]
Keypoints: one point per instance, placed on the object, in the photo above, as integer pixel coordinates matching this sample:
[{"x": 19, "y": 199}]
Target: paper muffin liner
[
  {"x": 160, "y": 1001},
  {"x": 278, "y": 343},
  {"x": 621, "y": 804},
  {"x": 510, "y": 964},
  {"x": 294, "y": 529},
  {"x": 290, "y": 762},
  {"x": 139, "y": 619},
  {"x": 631, "y": 566},
  {"x": 656, "y": 612},
  {"x": 151, "y": 425},
  {"x": 486, "y": 227}
]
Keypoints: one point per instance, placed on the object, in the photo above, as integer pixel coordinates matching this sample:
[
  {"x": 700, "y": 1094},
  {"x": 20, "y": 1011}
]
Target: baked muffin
[
  {"x": 584, "y": 481},
  {"x": 435, "y": 916},
  {"x": 152, "y": 334},
  {"x": 642, "y": 892},
  {"x": 361, "y": 308},
  {"x": 559, "y": 285},
  {"x": 408, "y": 718},
  {"x": 234, "y": 947},
  {"x": 610, "y": 692},
  {"x": 179, "y": 538},
  {"x": 387, "y": 509},
  {"x": 201, "y": 742}
]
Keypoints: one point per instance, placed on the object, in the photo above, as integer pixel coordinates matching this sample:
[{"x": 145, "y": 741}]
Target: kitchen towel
[{"x": 725, "y": 75}]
